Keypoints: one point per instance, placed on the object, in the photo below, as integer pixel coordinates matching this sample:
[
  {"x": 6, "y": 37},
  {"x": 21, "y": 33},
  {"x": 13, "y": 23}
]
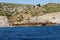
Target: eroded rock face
[
  {"x": 3, "y": 21},
  {"x": 50, "y": 17},
  {"x": 47, "y": 19}
]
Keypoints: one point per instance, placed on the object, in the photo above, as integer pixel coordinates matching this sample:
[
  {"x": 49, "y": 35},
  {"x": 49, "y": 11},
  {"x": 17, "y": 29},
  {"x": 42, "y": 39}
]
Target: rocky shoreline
[
  {"x": 35, "y": 24},
  {"x": 29, "y": 15},
  {"x": 44, "y": 20}
]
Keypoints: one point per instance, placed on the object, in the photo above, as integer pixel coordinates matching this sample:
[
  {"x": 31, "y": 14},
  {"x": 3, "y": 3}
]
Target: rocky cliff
[
  {"x": 4, "y": 21},
  {"x": 50, "y": 18},
  {"x": 29, "y": 14}
]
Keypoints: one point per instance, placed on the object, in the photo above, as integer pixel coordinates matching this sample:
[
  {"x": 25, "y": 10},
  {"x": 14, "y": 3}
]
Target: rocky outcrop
[
  {"x": 3, "y": 21},
  {"x": 50, "y": 18}
]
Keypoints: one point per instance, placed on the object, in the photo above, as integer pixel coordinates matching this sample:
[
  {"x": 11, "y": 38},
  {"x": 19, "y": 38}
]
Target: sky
[{"x": 42, "y": 2}]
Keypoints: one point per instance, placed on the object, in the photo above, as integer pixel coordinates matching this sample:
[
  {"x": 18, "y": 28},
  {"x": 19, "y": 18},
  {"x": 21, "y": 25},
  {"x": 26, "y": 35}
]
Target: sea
[{"x": 30, "y": 33}]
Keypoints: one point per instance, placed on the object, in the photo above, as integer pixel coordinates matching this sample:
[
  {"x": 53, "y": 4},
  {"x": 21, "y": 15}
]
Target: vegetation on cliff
[
  {"x": 20, "y": 12},
  {"x": 52, "y": 7}
]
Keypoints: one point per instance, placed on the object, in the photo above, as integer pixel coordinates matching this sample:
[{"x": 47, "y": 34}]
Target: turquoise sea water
[{"x": 30, "y": 33}]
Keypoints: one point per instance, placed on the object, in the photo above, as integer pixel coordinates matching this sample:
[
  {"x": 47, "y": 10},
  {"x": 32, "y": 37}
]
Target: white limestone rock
[{"x": 3, "y": 21}]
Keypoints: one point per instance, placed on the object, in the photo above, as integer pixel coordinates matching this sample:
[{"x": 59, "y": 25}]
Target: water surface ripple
[{"x": 30, "y": 33}]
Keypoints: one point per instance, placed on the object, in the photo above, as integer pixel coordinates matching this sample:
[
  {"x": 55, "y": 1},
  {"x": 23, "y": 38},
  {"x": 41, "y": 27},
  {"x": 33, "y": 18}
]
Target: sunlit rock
[{"x": 4, "y": 21}]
